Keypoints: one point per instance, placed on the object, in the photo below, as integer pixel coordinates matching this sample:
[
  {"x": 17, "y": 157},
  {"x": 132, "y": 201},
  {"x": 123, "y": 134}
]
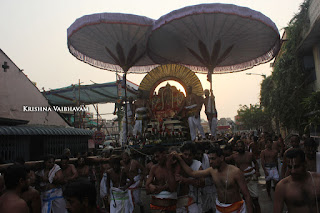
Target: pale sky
[{"x": 34, "y": 36}]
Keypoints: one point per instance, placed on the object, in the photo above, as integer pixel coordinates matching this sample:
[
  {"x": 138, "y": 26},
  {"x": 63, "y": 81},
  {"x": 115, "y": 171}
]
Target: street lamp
[{"x": 263, "y": 75}]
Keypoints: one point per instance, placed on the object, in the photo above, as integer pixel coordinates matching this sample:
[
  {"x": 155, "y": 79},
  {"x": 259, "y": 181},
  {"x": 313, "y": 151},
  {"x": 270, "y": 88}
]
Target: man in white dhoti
[
  {"x": 124, "y": 134},
  {"x": 211, "y": 112},
  {"x": 193, "y": 105},
  {"x": 51, "y": 178},
  {"x": 142, "y": 112},
  {"x": 120, "y": 196},
  {"x": 137, "y": 171},
  {"x": 208, "y": 192},
  {"x": 189, "y": 199}
]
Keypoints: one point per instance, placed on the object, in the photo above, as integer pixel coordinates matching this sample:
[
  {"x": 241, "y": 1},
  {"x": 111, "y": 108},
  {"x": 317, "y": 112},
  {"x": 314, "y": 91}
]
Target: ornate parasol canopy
[
  {"x": 112, "y": 41},
  {"x": 214, "y": 38}
]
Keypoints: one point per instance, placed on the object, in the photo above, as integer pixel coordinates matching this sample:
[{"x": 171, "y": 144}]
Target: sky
[{"x": 34, "y": 36}]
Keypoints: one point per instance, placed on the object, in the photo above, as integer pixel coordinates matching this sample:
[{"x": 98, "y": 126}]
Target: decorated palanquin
[
  {"x": 167, "y": 106},
  {"x": 167, "y": 103}
]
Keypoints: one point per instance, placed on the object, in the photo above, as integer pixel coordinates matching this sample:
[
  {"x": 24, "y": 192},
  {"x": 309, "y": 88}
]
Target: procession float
[{"x": 167, "y": 120}]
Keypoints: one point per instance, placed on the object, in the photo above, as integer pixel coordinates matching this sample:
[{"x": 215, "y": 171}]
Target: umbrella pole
[
  {"x": 211, "y": 82},
  {"x": 210, "y": 71},
  {"x": 126, "y": 106}
]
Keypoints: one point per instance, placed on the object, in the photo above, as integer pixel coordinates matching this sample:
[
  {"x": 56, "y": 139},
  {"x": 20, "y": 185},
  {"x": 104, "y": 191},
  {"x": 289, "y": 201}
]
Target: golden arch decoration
[{"x": 179, "y": 73}]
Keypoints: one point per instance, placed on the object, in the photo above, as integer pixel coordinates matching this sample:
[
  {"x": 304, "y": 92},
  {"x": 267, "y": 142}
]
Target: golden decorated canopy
[{"x": 179, "y": 73}]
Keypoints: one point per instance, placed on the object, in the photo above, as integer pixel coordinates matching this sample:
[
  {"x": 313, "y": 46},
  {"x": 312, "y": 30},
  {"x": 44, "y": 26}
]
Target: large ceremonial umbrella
[
  {"x": 112, "y": 41},
  {"x": 214, "y": 38}
]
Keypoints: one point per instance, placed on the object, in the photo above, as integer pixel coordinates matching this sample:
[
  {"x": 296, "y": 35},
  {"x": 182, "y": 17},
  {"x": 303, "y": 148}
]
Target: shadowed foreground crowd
[{"x": 196, "y": 177}]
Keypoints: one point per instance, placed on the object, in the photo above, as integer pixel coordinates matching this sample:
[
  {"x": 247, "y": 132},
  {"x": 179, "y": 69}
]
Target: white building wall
[{"x": 17, "y": 91}]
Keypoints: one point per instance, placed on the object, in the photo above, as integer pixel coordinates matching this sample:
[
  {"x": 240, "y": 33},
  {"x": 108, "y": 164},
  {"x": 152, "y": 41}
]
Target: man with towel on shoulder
[{"x": 51, "y": 178}]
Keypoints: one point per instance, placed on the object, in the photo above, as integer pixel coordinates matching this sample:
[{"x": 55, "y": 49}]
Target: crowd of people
[{"x": 220, "y": 176}]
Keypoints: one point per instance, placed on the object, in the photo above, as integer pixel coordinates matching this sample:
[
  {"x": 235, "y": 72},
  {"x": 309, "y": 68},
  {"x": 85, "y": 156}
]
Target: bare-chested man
[
  {"x": 229, "y": 181},
  {"x": 208, "y": 192},
  {"x": 295, "y": 143},
  {"x": 310, "y": 149},
  {"x": 278, "y": 144},
  {"x": 193, "y": 105},
  {"x": 138, "y": 172},
  {"x": 189, "y": 194},
  {"x": 31, "y": 195},
  {"x": 80, "y": 197},
  {"x": 211, "y": 112},
  {"x": 51, "y": 179},
  {"x": 269, "y": 163},
  {"x": 262, "y": 141},
  {"x": 117, "y": 185},
  {"x": 69, "y": 170},
  {"x": 16, "y": 183},
  {"x": 161, "y": 182},
  {"x": 300, "y": 191},
  {"x": 244, "y": 161},
  {"x": 82, "y": 168},
  {"x": 254, "y": 148},
  {"x": 142, "y": 114}
]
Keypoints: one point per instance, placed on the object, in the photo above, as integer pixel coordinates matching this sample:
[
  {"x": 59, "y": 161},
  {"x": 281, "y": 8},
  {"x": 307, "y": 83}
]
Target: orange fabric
[
  {"x": 249, "y": 170},
  {"x": 168, "y": 208},
  {"x": 233, "y": 207},
  {"x": 190, "y": 201}
]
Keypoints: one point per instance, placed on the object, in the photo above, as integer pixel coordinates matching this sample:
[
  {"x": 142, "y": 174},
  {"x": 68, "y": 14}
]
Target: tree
[
  {"x": 283, "y": 92},
  {"x": 253, "y": 117}
]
